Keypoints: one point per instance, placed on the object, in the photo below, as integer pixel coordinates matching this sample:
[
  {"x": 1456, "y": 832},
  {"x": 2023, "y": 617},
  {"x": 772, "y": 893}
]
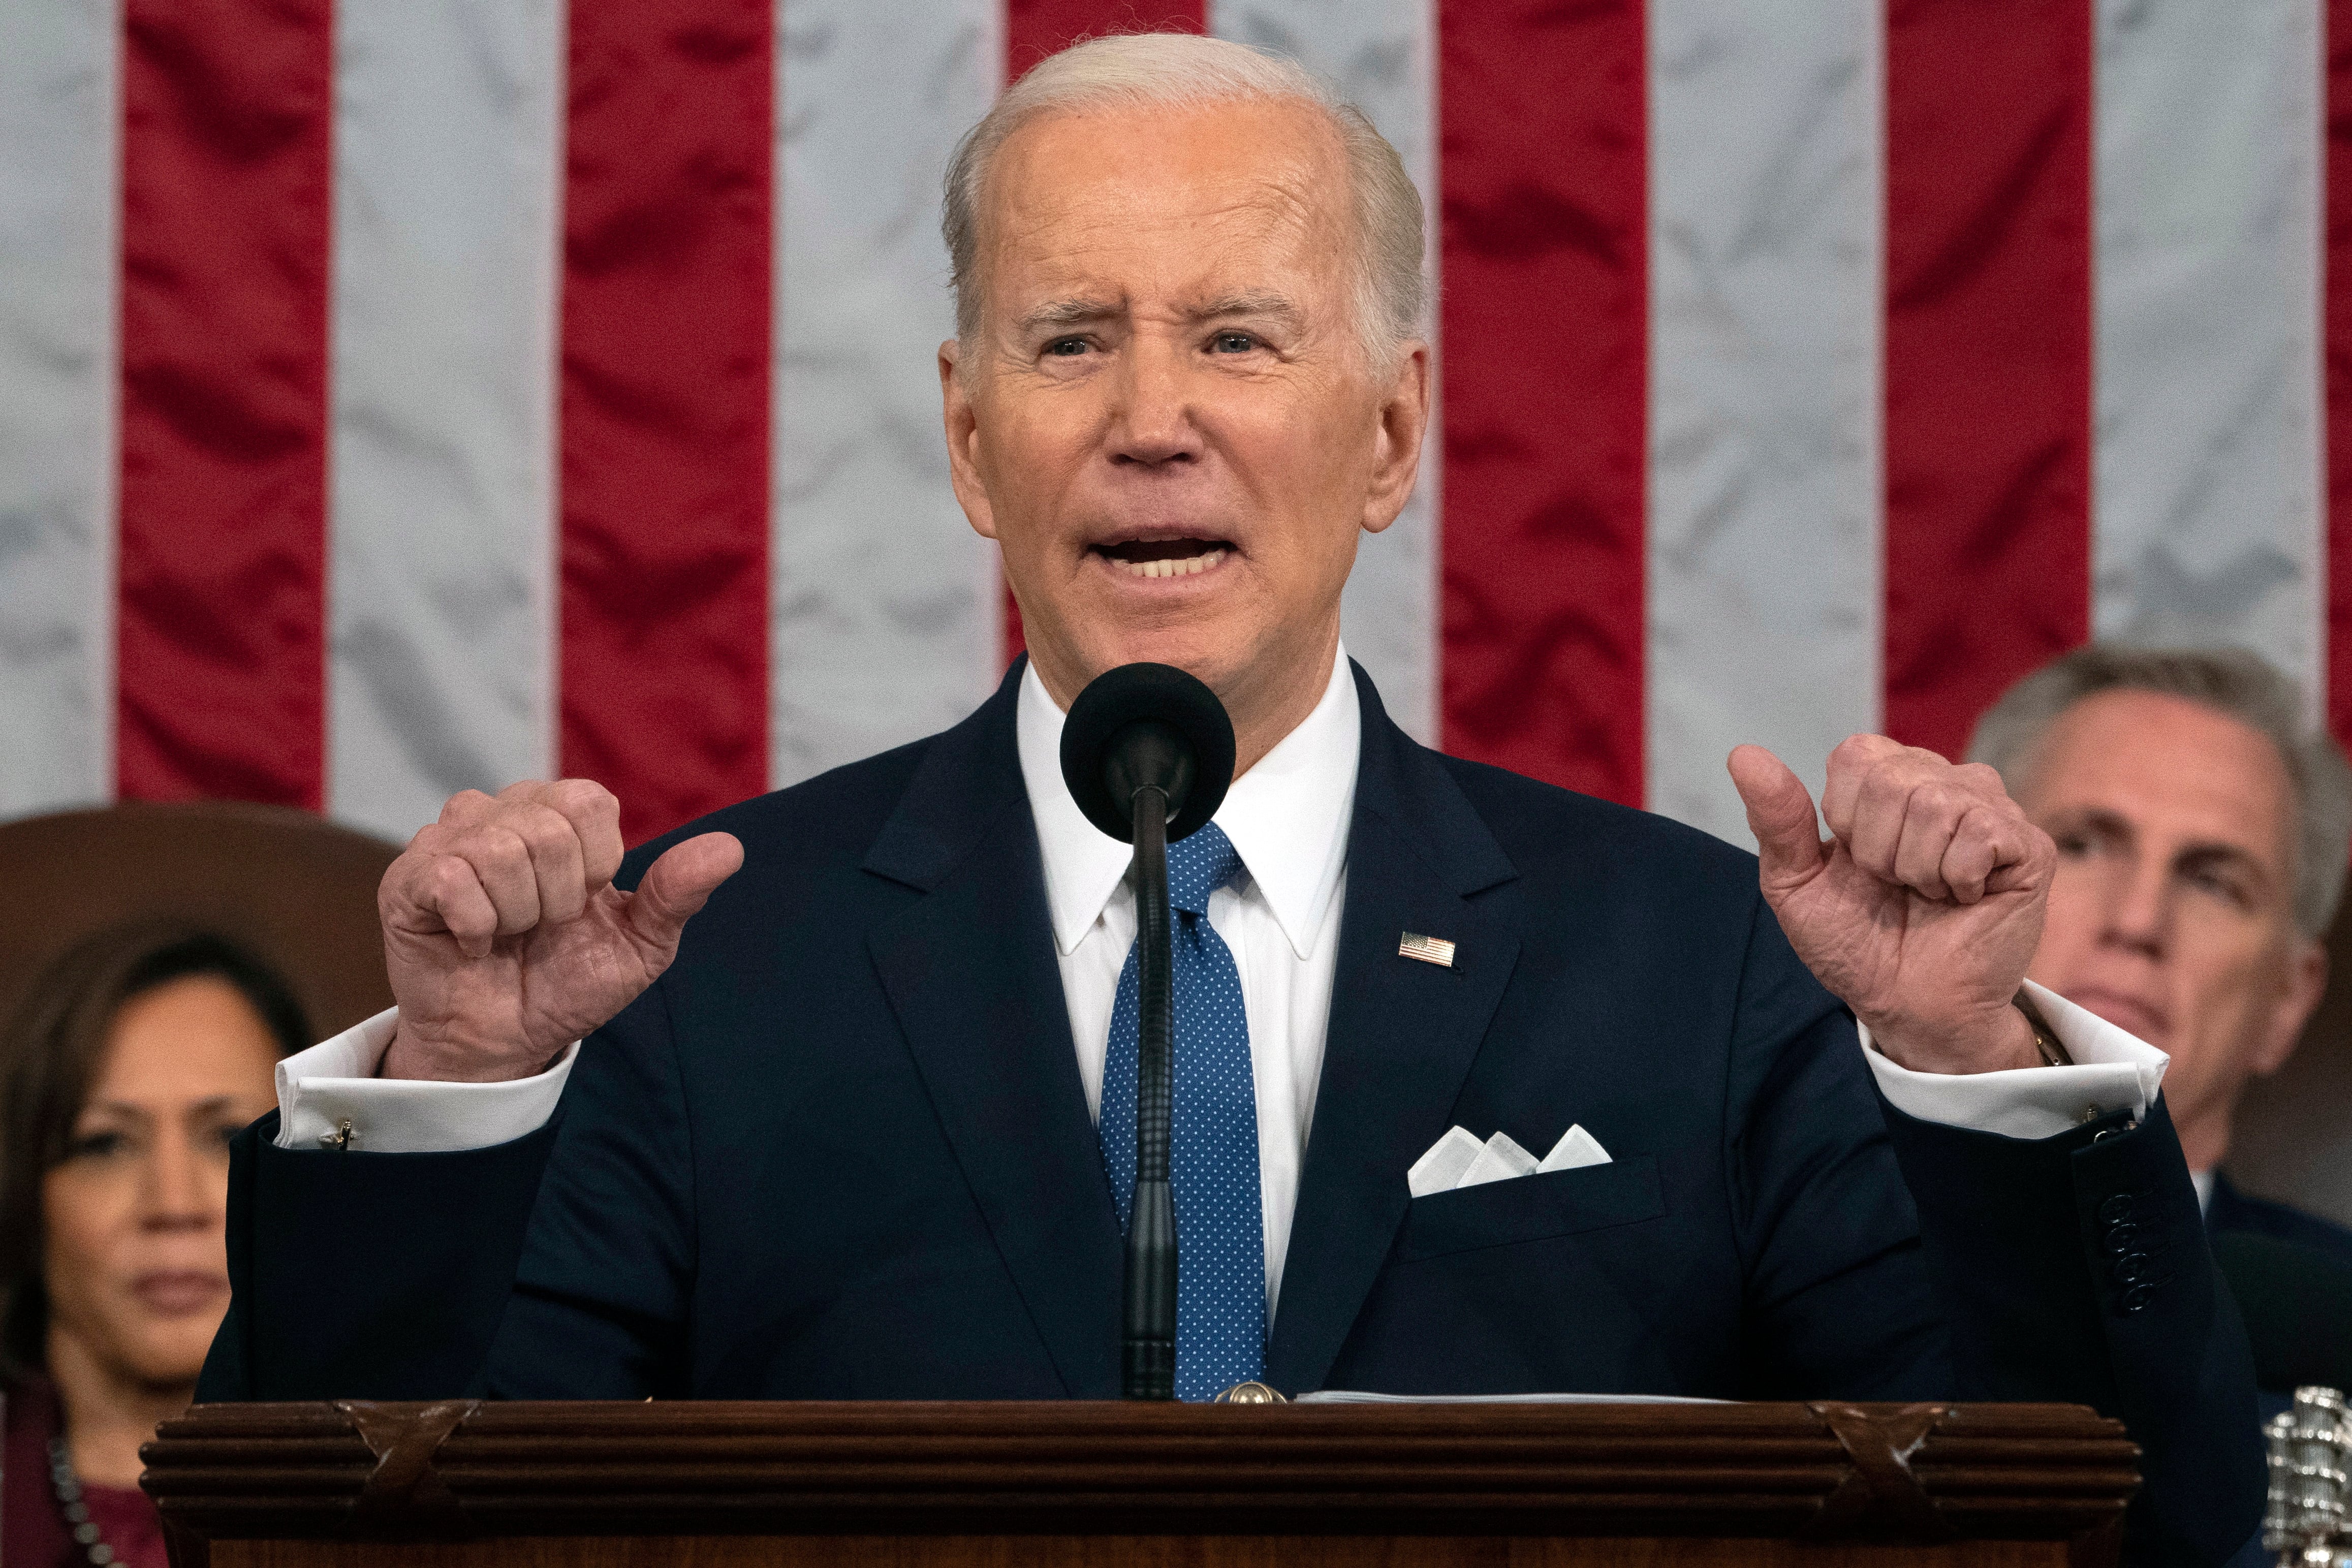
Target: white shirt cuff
[
  {"x": 2114, "y": 1070},
  {"x": 334, "y": 1081}
]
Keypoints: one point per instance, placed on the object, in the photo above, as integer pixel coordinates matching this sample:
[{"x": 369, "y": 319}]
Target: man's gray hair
[
  {"x": 1184, "y": 70},
  {"x": 2230, "y": 681}
]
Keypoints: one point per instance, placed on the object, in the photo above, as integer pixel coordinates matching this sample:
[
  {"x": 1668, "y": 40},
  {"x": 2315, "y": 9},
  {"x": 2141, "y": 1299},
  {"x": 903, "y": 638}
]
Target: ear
[
  {"x": 1396, "y": 442},
  {"x": 962, "y": 416},
  {"x": 2306, "y": 984}
]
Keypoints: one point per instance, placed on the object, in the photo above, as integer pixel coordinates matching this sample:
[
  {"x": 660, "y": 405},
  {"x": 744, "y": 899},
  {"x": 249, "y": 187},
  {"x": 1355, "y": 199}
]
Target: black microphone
[{"x": 1148, "y": 754}]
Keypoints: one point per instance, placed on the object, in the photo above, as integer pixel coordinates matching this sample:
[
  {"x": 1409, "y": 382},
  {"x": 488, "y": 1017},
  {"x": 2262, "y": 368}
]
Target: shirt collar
[{"x": 1287, "y": 817}]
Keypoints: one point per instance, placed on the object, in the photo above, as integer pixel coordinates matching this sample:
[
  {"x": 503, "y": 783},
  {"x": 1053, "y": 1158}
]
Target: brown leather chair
[{"x": 296, "y": 889}]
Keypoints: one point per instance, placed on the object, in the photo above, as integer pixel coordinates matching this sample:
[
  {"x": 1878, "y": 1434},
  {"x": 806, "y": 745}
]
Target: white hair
[{"x": 1185, "y": 71}]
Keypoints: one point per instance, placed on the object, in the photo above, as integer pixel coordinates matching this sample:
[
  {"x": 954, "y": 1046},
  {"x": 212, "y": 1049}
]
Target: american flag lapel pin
[{"x": 1433, "y": 949}]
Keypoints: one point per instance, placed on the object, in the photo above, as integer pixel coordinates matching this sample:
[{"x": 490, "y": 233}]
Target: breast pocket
[{"x": 1533, "y": 1208}]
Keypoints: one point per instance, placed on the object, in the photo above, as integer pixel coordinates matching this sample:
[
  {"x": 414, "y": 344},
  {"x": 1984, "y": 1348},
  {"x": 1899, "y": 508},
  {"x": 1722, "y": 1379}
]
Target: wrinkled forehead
[
  {"x": 2177, "y": 763},
  {"x": 1158, "y": 199}
]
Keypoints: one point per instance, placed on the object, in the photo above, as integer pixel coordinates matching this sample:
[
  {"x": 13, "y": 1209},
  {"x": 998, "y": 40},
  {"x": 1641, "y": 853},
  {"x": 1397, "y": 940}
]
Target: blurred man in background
[{"x": 2201, "y": 827}]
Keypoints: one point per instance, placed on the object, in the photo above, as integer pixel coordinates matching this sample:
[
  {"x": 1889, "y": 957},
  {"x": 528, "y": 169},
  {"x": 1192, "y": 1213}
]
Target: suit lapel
[
  {"x": 970, "y": 971},
  {"x": 1401, "y": 1037}
]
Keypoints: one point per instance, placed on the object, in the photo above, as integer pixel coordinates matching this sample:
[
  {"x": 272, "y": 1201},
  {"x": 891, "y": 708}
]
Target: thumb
[
  {"x": 676, "y": 887},
  {"x": 1781, "y": 814}
]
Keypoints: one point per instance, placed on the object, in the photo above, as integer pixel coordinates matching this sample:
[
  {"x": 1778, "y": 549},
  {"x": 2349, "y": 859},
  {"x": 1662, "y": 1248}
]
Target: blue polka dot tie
[{"x": 1213, "y": 1156}]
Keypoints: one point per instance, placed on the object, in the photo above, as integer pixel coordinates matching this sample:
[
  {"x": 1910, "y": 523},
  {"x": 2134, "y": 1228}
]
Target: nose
[
  {"x": 2139, "y": 911},
  {"x": 183, "y": 1191},
  {"x": 1151, "y": 425}
]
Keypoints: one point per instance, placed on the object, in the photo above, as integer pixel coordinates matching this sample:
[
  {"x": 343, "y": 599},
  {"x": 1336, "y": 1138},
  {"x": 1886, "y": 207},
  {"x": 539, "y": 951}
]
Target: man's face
[
  {"x": 1168, "y": 419},
  {"x": 2172, "y": 911}
]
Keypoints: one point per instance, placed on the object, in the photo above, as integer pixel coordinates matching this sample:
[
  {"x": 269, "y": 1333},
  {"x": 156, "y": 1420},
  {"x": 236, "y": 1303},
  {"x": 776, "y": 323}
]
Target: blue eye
[
  {"x": 1066, "y": 348},
  {"x": 1234, "y": 343}
]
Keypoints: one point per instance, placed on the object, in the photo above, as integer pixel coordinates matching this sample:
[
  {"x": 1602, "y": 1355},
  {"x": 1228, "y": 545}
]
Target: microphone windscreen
[{"x": 1116, "y": 701}]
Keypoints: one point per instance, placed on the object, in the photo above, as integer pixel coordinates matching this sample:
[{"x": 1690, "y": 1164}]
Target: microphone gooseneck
[
  {"x": 1148, "y": 1351},
  {"x": 1148, "y": 752}
]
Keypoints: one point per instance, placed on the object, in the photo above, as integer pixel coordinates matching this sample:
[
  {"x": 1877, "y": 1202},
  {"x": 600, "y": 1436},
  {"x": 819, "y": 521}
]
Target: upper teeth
[{"x": 1182, "y": 567}]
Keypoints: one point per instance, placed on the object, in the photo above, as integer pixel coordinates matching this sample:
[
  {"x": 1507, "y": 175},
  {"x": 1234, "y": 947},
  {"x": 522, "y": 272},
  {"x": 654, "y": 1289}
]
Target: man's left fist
[{"x": 1922, "y": 909}]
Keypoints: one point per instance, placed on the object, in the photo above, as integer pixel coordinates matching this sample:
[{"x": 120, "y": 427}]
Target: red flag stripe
[
  {"x": 1036, "y": 28},
  {"x": 662, "y": 468},
  {"x": 220, "y": 646},
  {"x": 2337, "y": 346},
  {"x": 1544, "y": 326},
  {"x": 1988, "y": 353}
]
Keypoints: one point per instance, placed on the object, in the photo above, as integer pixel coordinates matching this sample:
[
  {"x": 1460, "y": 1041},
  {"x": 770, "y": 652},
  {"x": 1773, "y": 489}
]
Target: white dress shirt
[{"x": 1288, "y": 820}]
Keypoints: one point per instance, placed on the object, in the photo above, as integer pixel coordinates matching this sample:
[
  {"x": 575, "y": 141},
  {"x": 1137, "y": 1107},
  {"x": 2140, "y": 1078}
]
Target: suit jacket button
[
  {"x": 2121, "y": 1238},
  {"x": 2138, "y": 1297},
  {"x": 2131, "y": 1268},
  {"x": 2116, "y": 1209}
]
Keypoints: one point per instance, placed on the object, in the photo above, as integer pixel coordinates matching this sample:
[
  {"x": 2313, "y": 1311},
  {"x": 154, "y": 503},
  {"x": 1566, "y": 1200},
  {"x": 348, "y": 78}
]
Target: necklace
[{"x": 76, "y": 1513}]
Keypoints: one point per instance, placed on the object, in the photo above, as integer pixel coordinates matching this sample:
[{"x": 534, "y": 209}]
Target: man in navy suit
[
  {"x": 840, "y": 1140},
  {"x": 2201, "y": 822}
]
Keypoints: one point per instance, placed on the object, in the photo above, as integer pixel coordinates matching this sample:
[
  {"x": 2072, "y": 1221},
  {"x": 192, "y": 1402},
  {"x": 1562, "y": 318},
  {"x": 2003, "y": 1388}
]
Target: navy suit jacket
[
  {"x": 2233, "y": 1211},
  {"x": 840, "y": 1149},
  {"x": 2291, "y": 1275}
]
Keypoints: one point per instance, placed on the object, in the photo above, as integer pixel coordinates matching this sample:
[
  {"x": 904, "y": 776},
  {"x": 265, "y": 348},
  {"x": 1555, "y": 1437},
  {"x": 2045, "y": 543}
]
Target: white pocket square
[{"x": 1460, "y": 1160}]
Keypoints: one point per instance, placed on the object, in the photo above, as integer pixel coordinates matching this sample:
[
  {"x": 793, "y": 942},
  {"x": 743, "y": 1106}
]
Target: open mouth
[{"x": 1164, "y": 557}]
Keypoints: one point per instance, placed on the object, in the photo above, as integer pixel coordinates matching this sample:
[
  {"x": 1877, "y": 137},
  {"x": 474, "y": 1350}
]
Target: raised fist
[
  {"x": 1921, "y": 910},
  {"x": 505, "y": 938}
]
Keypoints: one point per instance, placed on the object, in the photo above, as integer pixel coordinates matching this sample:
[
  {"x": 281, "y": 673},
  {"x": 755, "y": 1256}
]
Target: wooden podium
[{"x": 359, "y": 1485}]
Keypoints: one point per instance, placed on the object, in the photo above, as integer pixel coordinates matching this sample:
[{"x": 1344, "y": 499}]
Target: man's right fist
[{"x": 505, "y": 938}]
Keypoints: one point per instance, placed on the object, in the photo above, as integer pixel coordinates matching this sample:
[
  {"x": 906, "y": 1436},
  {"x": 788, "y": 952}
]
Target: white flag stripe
[
  {"x": 1764, "y": 487},
  {"x": 1766, "y": 172},
  {"x": 448, "y": 123},
  {"x": 885, "y": 614},
  {"x": 59, "y": 96},
  {"x": 2208, "y": 479},
  {"x": 1380, "y": 55}
]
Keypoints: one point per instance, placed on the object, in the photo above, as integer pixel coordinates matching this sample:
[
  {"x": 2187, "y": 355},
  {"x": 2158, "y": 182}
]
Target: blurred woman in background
[{"x": 134, "y": 1062}]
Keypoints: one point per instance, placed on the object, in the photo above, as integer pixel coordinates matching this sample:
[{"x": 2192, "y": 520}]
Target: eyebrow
[
  {"x": 1072, "y": 312},
  {"x": 1080, "y": 311},
  {"x": 205, "y": 1106},
  {"x": 1262, "y": 304}
]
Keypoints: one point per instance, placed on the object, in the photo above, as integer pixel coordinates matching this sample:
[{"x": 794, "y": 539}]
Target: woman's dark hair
[{"x": 48, "y": 1056}]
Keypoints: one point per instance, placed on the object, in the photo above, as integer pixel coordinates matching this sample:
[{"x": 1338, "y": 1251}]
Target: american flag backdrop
[{"x": 400, "y": 395}]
